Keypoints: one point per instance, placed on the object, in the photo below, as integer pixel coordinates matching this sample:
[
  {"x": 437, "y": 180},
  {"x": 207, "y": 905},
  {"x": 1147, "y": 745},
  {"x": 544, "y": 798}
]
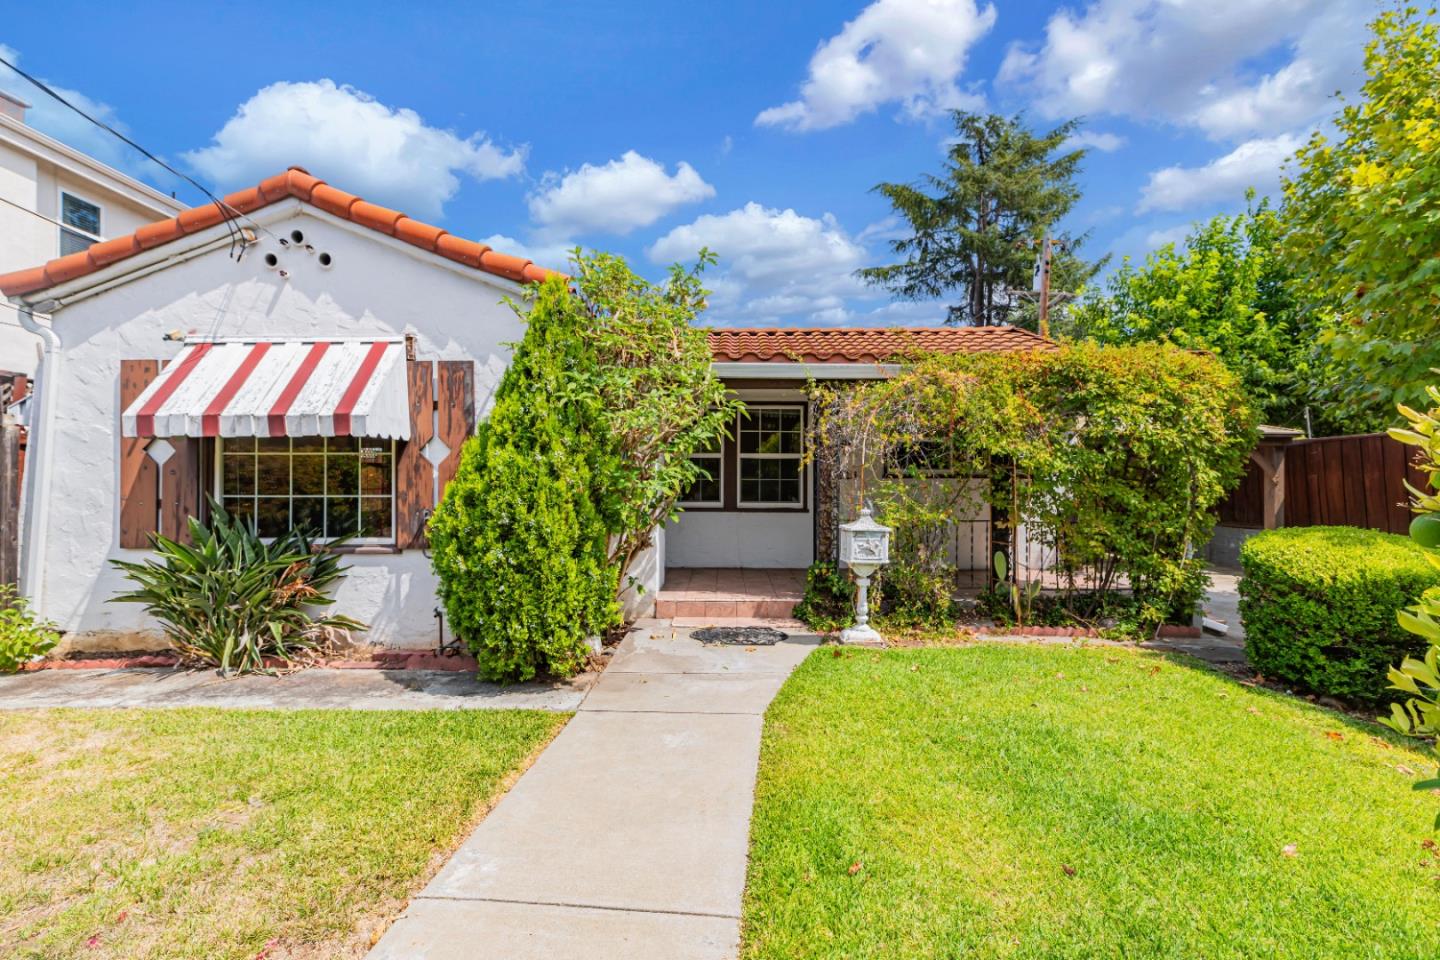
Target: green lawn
[
  {"x": 235, "y": 834},
  {"x": 1034, "y": 801}
]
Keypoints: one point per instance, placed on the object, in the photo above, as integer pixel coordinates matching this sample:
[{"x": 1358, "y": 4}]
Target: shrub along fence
[{"x": 1319, "y": 607}]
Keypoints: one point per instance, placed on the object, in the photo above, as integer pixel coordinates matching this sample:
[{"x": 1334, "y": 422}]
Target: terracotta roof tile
[
  {"x": 863, "y": 344},
  {"x": 108, "y": 251},
  {"x": 296, "y": 183},
  {"x": 461, "y": 250},
  {"x": 334, "y": 201},
  {"x": 67, "y": 267},
  {"x": 162, "y": 231},
  {"x": 420, "y": 234},
  {"x": 374, "y": 216}
]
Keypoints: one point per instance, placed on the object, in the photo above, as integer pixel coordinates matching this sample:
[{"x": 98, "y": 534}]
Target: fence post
[{"x": 9, "y": 502}]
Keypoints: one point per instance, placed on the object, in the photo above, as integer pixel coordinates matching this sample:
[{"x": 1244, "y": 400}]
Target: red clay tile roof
[
  {"x": 294, "y": 182},
  {"x": 863, "y": 344}
]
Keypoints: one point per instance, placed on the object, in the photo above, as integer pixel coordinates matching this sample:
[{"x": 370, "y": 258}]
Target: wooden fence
[
  {"x": 13, "y": 388},
  {"x": 1356, "y": 481}
]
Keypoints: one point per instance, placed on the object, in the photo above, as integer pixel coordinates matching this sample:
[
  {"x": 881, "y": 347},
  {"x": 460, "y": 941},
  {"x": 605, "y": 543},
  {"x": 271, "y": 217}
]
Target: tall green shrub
[
  {"x": 1114, "y": 457},
  {"x": 1319, "y": 606},
  {"x": 587, "y": 450},
  {"x": 517, "y": 543}
]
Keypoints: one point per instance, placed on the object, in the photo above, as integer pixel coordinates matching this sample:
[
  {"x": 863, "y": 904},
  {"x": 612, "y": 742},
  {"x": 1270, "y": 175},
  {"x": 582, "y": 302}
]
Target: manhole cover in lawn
[{"x": 740, "y": 636}]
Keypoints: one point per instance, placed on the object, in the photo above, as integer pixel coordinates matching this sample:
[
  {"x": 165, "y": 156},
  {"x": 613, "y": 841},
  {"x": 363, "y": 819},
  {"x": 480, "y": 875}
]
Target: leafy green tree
[
  {"x": 1226, "y": 289},
  {"x": 1362, "y": 212},
  {"x": 588, "y": 448},
  {"x": 651, "y": 398},
  {"x": 974, "y": 227}
]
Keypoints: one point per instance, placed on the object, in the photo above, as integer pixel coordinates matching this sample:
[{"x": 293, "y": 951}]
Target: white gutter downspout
[
  {"x": 39, "y": 464},
  {"x": 37, "y": 506}
]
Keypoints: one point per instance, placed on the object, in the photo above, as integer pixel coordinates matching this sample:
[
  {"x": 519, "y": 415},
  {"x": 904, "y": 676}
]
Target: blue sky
[{"x": 649, "y": 129}]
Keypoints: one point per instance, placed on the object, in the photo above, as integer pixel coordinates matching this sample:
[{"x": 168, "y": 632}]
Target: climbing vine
[{"x": 1111, "y": 459}]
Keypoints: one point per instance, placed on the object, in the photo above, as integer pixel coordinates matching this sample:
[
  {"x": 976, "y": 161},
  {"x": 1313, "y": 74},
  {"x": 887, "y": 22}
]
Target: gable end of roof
[{"x": 294, "y": 182}]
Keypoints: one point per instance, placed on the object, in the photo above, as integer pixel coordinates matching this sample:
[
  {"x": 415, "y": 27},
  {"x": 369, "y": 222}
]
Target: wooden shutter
[
  {"x": 180, "y": 488},
  {"x": 139, "y": 475},
  {"x": 415, "y": 475},
  {"x": 456, "y": 422},
  {"x": 149, "y": 492}
]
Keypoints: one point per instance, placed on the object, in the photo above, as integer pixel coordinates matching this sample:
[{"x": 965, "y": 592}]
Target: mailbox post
[{"x": 865, "y": 548}]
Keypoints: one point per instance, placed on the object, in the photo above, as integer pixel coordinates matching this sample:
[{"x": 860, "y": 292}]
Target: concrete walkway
[
  {"x": 627, "y": 839},
  {"x": 308, "y": 689}
]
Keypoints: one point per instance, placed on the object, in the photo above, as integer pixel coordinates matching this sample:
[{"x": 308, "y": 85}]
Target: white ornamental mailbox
[{"x": 865, "y": 548}]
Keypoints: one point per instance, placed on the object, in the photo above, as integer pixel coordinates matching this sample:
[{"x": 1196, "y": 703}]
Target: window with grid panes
[
  {"x": 331, "y": 486},
  {"x": 82, "y": 224},
  {"x": 706, "y": 490},
  {"x": 771, "y": 442}
]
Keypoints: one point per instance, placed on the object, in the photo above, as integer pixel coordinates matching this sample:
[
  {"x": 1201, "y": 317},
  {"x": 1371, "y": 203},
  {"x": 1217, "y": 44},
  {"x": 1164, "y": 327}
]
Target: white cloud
[
  {"x": 387, "y": 154},
  {"x": 51, "y": 117},
  {"x": 1093, "y": 140},
  {"x": 615, "y": 197},
  {"x": 906, "y": 51},
  {"x": 1192, "y": 62},
  {"x": 1255, "y": 163},
  {"x": 1156, "y": 239},
  {"x": 775, "y": 265}
]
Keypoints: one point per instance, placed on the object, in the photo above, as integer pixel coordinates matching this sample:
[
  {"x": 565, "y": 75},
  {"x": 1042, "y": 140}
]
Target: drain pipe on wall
[{"x": 37, "y": 505}]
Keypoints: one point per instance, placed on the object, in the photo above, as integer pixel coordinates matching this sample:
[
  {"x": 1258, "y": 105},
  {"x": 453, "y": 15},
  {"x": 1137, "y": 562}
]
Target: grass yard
[
  {"x": 235, "y": 834},
  {"x": 1032, "y": 801}
]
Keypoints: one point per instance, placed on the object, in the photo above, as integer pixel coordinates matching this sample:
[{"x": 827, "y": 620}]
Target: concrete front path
[
  {"x": 627, "y": 839},
  {"x": 308, "y": 689}
]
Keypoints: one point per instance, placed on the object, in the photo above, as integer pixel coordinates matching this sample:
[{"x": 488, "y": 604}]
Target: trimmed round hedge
[{"x": 1319, "y": 607}]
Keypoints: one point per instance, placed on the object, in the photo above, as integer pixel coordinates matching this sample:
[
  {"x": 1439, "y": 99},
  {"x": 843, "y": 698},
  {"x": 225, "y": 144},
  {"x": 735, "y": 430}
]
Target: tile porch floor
[{"x": 727, "y": 592}]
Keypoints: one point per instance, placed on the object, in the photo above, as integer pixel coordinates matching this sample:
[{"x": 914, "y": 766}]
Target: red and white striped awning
[{"x": 277, "y": 388}]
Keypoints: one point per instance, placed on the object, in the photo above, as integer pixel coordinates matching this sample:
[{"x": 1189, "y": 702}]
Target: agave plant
[{"x": 234, "y": 601}]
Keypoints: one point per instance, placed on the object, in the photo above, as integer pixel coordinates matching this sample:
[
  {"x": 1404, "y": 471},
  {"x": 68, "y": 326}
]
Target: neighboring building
[{"x": 55, "y": 200}]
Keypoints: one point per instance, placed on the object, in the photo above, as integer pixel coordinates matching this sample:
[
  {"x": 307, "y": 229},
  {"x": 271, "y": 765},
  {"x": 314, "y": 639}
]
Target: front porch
[{"x": 729, "y": 592}]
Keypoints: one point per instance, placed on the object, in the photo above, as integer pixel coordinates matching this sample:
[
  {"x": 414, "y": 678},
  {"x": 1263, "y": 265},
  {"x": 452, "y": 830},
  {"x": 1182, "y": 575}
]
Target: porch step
[{"x": 728, "y": 593}]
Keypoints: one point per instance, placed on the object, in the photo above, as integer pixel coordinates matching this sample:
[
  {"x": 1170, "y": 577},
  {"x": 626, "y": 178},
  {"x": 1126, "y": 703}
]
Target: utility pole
[{"x": 1045, "y": 286}]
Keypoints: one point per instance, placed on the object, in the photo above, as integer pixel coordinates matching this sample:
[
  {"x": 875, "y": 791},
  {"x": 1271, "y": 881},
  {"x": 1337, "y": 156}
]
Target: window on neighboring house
[
  {"x": 771, "y": 440},
  {"x": 330, "y": 486},
  {"x": 81, "y": 220},
  {"x": 706, "y": 491}
]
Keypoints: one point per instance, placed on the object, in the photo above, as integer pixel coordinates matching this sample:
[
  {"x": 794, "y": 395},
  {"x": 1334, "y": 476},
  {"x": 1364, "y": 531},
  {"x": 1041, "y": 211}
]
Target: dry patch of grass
[{"x": 236, "y": 834}]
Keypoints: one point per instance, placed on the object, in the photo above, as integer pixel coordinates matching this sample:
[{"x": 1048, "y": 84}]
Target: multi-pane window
[
  {"x": 329, "y": 486},
  {"x": 706, "y": 490},
  {"x": 771, "y": 443},
  {"x": 81, "y": 220}
]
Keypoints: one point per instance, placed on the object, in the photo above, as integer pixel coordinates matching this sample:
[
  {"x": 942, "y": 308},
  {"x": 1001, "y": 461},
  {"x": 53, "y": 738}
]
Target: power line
[
  {"x": 228, "y": 212},
  {"x": 36, "y": 213}
]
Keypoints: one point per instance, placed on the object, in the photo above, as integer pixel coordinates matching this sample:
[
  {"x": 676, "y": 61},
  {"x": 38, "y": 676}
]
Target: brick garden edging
[
  {"x": 1173, "y": 631},
  {"x": 384, "y": 660}
]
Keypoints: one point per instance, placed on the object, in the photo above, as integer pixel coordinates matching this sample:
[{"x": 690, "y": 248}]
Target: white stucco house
[
  {"x": 303, "y": 355},
  {"x": 308, "y": 357},
  {"x": 56, "y": 200}
]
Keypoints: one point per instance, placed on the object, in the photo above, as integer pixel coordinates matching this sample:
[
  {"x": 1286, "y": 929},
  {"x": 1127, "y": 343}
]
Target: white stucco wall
[
  {"x": 723, "y": 538},
  {"x": 645, "y": 578},
  {"x": 375, "y": 287}
]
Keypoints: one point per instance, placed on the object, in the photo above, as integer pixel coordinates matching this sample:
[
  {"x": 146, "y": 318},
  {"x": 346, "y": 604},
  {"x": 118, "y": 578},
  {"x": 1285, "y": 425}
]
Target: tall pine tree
[{"x": 975, "y": 227}]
